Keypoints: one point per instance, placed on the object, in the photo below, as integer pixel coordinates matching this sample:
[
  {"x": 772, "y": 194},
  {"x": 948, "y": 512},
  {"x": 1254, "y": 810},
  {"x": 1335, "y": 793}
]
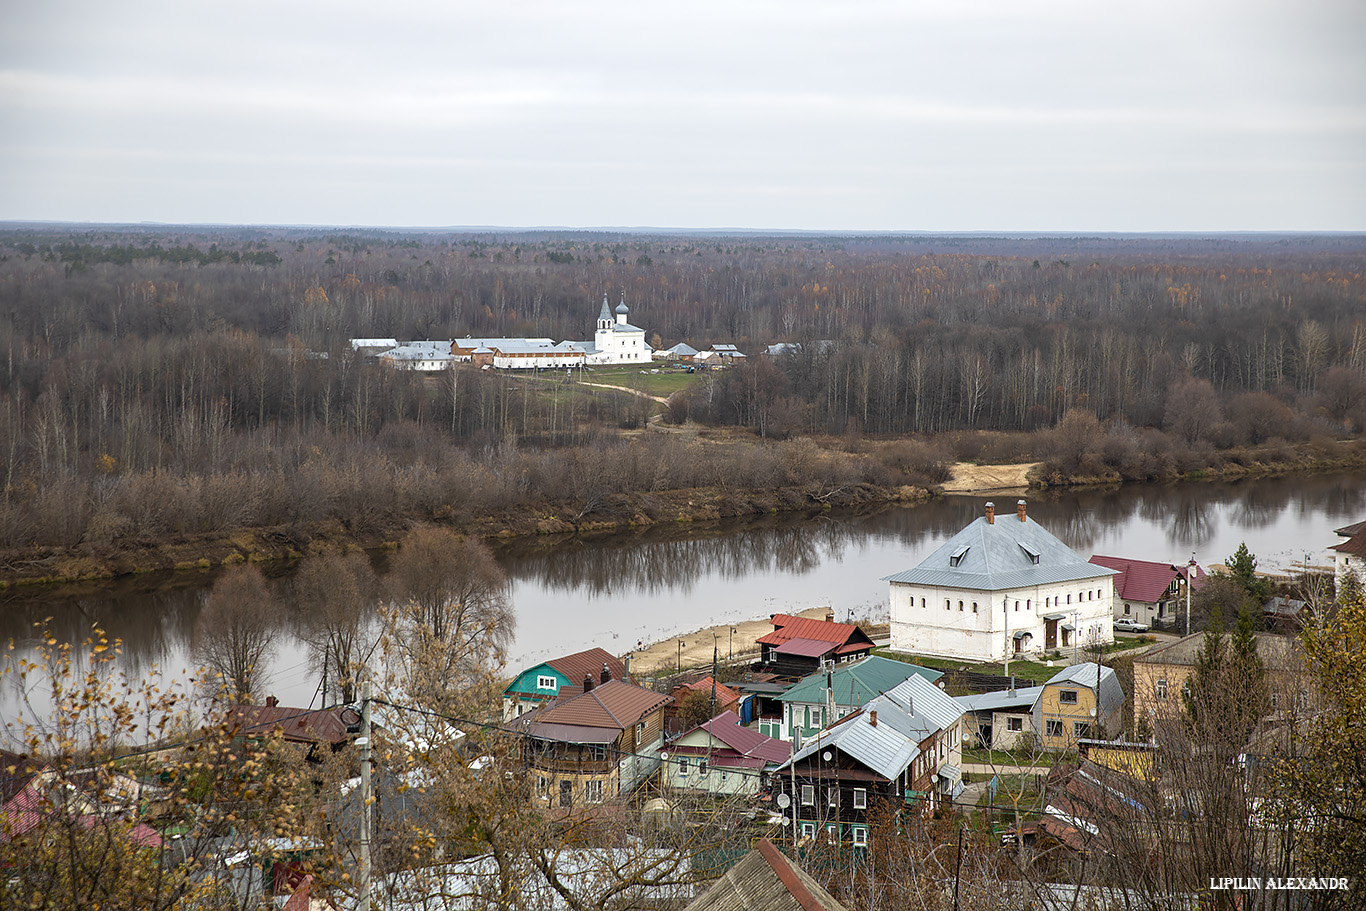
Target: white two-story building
[{"x": 1001, "y": 586}]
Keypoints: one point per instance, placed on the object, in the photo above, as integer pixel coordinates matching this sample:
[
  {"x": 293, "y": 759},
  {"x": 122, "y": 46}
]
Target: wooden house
[
  {"x": 799, "y": 646},
  {"x": 560, "y": 677}
]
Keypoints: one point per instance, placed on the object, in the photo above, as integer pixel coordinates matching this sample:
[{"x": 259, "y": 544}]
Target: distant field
[{"x": 668, "y": 380}]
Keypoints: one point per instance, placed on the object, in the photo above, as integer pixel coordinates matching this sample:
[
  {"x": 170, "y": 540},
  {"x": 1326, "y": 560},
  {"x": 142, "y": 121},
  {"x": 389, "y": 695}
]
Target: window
[
  {"x": 1069, "y": 597},
  {"x": 542, "y": 786},
  {"x": 1275, "y": 700},
  {"x": 1126, "y": 608},
  {"x": 1052, "y": 728},
  {"x": 640, "y": 732},
  {"x": 723, "y": 777},
  {"x": 808, "y": 830},
  {"x": 948, "y": 605},
  {"x": 1160, "y": 688},
  {"x": 957, "y": 556},
  {"x": 833, "y": 831},
  {"x": 702, "y": 767},
  {"x": 974, "y": 607},
  {"x": 1017, "y": 605},
  {"x": 960, "y": 605},
  {"x": 860, "y": 837},
  {"x": 922, "y": 602},
  {"x": 597, "y": 751},
  {"x": 547, "y": 683},
  {"x": 1067, "y": 697},
  {"x": 683, "y": 765},
  {"x": 1081, "y": 729},
  {"x": 1029, "y": 604},
  {"x": 808, "y": 795},
  {"x": 566, "y": 793},
  {"x": 1015, "y": 724},
  {"x": 860, "y": 798},
  {"x": 592, "y": 790},
  {"x": 832, "y": 797}
]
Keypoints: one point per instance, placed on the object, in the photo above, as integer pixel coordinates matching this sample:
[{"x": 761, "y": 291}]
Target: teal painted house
[
  {"x": 559, "y": 677},
  {"x": 852, "y": 685}
]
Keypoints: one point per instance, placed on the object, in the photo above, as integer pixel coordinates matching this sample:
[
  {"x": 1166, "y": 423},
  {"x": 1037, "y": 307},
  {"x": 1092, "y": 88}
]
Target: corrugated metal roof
[
  {"x": 588, "y": 662},
  {"x": 805, "y": 648},
  {"x": 751, "y": 744},
  {"x": 1111, "y": 693},
  {"x": 855, "y": 684},
  {"x": 1139, "y": 580},
  {"x": 613, "y": 705},
  {"x": 1021, "y": 698},
  {"x": 998, "y": 558},
  {"x": 788, "y": 627},
  {"x": 927, "y": 700}
]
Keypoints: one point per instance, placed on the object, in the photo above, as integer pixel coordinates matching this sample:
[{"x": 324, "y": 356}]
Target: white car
[{"x": 1125, "y": 625}]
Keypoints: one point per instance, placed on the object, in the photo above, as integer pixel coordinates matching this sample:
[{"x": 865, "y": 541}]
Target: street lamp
[
  {"x": 731, "y": 651},
  {"x": 681, "y": 643},
  {"x": 1190, "y": 576}
]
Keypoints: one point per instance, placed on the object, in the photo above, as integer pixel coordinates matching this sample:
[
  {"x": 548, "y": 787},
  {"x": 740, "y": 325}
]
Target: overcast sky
[{"x": 911, "y": 115}]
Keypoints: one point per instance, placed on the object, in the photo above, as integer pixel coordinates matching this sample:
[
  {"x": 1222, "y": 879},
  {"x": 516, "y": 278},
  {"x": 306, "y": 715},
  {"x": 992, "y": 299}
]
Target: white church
[
  {"x": 616, "y": 341},
  {"x": 1001, "y": 587}
]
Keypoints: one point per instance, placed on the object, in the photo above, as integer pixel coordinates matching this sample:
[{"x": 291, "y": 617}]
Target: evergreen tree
[{"x": 1243, "y": 567}]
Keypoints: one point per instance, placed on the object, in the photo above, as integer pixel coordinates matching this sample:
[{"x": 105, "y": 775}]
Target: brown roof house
[
  {"x": 559, "y": 678},
  {"x": 593, "y": 747},
  {"x": 797, "y": 646},
  {"x": 765, "y": 879},
  {"x": 314, "y": 728}
]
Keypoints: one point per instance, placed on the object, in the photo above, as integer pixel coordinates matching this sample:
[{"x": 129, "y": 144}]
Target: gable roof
[
  {"x": 1354, "y": 546},
  {"x": 1001, "y": 700},
  {"x": 596, "y": 716},
  {"x": 765, "y": 879},
  {"x": 1111, "y": 694},
  {"x": 589, "y": 661},
  {"x": 844, "y": 636},
  {"x": 1350, "y": 531},
  {"x": 724, "y": 694},
  {"x": 855, "y": 684},
  {"x": 298, "y": 725},
  {"x": 726, "y": 728},
  {"x": 999, "y": 556},
  {"x": 1139, "y": 580},
  {"x": 906, "y": 715}
]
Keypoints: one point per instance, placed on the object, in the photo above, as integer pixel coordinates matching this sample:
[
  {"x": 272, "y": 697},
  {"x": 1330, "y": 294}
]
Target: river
[{"x": 649, "y": 585}]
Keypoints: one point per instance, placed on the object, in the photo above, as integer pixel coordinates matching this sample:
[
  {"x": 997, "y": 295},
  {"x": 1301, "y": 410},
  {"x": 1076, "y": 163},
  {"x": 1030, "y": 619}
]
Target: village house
[
  {"x": 765, "y": 879},
  {"x": 727, "y": 699},
  {"x": 566, "y": 676},
  {"x": 902, "y": 749},
  {"x": 1349, "y": 554},
  {"x": 321, "y": 731},
  {"x": 827, "y": 696},
  {"x": 517, "y": 353},
  {"x": 1003, "y": 720},
  {"x": 798, "y": 646},
  {"x": 1084, "y": 701},
  {"x": 1160, "y": 674},
  {"x": 1145, "y": 591},
  {"x": 721, "y": 757},
  {"x": 1000, "y": 588},
  {"x": 594, "y": 747},
  {"x": 423, "y": 356}
]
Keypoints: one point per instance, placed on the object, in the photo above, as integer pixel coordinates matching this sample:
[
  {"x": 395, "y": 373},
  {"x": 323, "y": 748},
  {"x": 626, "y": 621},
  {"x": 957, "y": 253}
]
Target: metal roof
[
  {"x": 1020, "y": 698},
  {"x": 855, "y": 684},
  {"x": 1139, "y": 580},
  {"x": 1084, "y": 675},
  {"x": 997, "y": 556},
  {"x": 614, "y": 706}
]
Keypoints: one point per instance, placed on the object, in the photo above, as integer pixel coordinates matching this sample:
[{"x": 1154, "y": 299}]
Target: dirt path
[
  {"x": 969, "y": 478},
  {"x": 644, "y": 395},
  {"x": 663, "y": 657}
]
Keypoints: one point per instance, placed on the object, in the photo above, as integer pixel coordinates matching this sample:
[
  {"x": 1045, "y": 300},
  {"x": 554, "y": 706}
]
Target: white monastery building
[
  {"x": 616, "y": 341},
  {"x": 1000, "y": 586}
]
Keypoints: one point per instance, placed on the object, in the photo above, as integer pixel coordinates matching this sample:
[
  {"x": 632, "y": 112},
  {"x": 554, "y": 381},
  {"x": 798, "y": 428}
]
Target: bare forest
[{"x": 166, "y": 383}]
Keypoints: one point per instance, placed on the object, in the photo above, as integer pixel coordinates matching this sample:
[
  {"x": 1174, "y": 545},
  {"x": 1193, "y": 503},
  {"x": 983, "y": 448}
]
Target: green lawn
[{"x": 667, "y": 380}]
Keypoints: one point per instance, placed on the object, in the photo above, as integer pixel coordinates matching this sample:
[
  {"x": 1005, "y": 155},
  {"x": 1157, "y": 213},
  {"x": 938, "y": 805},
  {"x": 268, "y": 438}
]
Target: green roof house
[
  {"x": 560, "y": 678},
  {"x": 851, "y": 685}
]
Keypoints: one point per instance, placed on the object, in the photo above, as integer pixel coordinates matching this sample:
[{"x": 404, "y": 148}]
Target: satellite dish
[
  {"x": 827, "y": 755},
  {"x": 784, "y": 801}
]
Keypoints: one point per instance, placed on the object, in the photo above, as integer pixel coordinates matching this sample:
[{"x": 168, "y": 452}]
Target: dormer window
[
  {"x": 1029, "y": 552},
  {"x": 957, "y": 556}
]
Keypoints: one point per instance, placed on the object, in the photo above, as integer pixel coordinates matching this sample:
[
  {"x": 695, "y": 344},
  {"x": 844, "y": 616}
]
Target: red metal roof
[
  {"x": 787, "y": 627},
  {"x": 724, "y": 694},
  {"x": 1139, "y": 580},
  {"x": 751, "y": 744},
  {"x": 1355, "y": 547}
]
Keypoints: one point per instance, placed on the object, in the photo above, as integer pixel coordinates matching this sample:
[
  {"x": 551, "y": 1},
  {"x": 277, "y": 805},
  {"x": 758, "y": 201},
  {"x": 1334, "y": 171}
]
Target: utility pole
[
  {"x": 1005, "y": 607},
  {"x": 365, "y": 799},
  {"x": 1190, "y": 577}
]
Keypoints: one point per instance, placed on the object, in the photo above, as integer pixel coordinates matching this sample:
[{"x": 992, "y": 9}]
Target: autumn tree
[
  {"x": 450, "y": 621},
  {"x": 235, "y": 634},
  {"x": 335, "y": 596}
]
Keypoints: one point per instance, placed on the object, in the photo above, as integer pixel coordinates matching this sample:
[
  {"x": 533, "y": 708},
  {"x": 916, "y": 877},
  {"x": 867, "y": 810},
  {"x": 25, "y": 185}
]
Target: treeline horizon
[{"x": 160, "y": 380}]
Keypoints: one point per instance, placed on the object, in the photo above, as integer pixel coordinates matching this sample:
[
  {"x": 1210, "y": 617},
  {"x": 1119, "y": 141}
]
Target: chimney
[
  {"x": 991, "y": 513},
  {"x": 272, "y": 702},
  {"x": 872, "y": 718},
  {"x": 606, "y": 672},
  {"x": 588, "y": 683},
  {"x": 1020, "y": 509},
  {"x": 830, "y": 616}
]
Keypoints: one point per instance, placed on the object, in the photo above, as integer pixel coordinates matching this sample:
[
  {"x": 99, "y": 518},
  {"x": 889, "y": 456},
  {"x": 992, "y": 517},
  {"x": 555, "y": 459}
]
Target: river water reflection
[{"x": 615, "y": 590}]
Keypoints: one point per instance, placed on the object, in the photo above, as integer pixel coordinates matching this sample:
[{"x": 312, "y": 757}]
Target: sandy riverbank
[{"x": 663, "y": 657}]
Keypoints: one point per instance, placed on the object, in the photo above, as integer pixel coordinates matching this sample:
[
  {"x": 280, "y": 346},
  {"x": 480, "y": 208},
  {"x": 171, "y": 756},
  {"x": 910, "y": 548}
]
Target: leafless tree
[
  {"x": 336, "y": 596},
  {"x": 235, "y": 633}
]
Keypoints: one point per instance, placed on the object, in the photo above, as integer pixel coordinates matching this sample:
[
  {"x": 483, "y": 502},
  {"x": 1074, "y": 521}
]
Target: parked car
[{"x": 1125, "y": 625}]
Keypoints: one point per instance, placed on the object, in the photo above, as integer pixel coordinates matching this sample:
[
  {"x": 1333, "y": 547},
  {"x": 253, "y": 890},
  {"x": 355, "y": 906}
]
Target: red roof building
[
  {"x": 1146, "y": 591},
  {"x": 798, "y": 645}
]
